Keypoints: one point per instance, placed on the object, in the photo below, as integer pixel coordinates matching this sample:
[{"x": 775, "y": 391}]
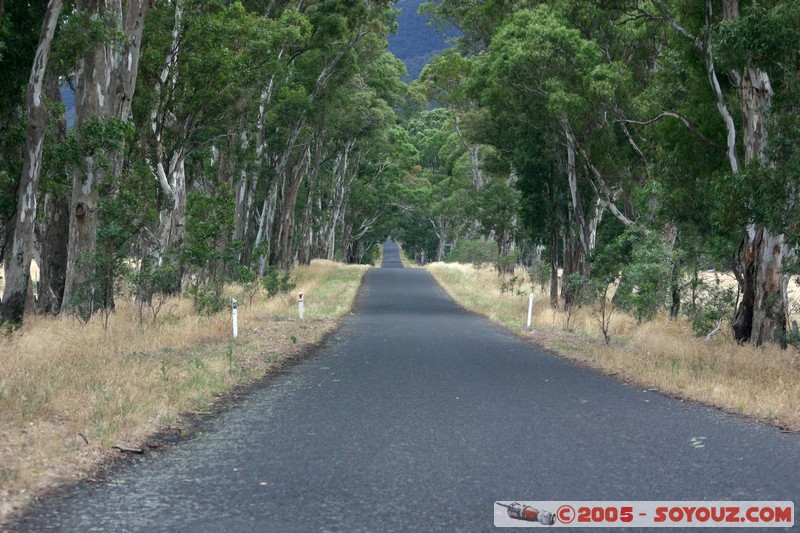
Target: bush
[
  {"x": 711, "y": 303},
  {"x": 205, "y": 249},
  {"x": 248, "y": 279},
  {"x": 507, "y": 263},
  {"x": 591, "y": 292},
  {"x": 276, "y": 282},
  {"x": 540, "y": 274},
  {"x": 643, "y": 263},
  {"x": 476, "y": 252},
  {"x": 208, "y": 298}
]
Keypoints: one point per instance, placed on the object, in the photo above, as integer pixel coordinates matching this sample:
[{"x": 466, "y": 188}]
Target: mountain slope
[{"x": 416, "y": 42}]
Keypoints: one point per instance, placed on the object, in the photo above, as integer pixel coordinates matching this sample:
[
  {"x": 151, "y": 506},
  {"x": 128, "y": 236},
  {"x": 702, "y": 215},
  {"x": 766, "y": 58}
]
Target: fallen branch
[
  {"x": 81, "y": 435},
  {"x": 715, "y": 331},
  {"x": 128, "y": 450}
]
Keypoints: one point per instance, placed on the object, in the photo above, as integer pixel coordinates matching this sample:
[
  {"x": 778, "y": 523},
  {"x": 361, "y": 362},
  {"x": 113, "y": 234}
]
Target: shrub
[
  {"x": 477, "y": 252},
  {"x": 711, "y": 303},
  {"x": 276, "y": 282}
]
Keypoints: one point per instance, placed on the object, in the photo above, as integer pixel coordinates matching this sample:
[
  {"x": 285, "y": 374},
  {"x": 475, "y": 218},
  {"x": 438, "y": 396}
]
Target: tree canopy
[{"x": 622, "y": 142}]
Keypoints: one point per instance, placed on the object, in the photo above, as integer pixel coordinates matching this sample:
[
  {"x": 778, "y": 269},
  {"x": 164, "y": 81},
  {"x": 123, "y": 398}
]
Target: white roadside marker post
[
  {"x": 300, "y": 306},
  {"x": 530, "y": 309},
  {"x": 235, "y": 310}
]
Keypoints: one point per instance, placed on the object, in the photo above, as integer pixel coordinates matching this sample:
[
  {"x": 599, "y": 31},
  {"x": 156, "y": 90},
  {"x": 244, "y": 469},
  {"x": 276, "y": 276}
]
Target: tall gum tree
[
  {"x": 106, "y": 76},
  {"x": 762, "y": 313},
  {"x": 18, "y": 268}
]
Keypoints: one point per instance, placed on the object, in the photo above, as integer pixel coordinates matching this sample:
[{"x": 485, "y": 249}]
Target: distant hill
[
  {"x": 416, "y": 42},
  {"x": 68, "y": 97}
]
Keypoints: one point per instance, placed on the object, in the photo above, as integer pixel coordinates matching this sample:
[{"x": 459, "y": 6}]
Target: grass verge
[
  {"x": 762, "y": 383},
  {"x": 69, "y": 392}
]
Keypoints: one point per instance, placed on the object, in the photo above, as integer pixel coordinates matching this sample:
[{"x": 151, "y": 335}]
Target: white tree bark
[
  {"x": 577, "y": 207},
  {"x": 18, "y": 268},
  {"x": 338, "y": 193},
  {"x": 106, "y": 80}
]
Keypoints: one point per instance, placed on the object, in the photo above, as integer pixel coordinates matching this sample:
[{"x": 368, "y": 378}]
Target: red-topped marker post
[{"x": 300, "y": 306}]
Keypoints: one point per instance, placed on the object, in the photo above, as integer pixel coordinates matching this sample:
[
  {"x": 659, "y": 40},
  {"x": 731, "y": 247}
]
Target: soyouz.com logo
[{"x": 511, "y": 513}]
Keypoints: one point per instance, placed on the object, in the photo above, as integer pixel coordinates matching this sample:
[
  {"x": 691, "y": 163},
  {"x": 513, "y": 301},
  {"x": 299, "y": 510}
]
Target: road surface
[{"x": 418, "y": 416}]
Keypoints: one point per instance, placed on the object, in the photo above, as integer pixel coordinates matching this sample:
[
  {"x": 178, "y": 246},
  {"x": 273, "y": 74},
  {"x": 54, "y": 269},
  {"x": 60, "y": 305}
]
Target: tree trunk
[
  {"x": 266, "y": 219},
  {"x": 136, "y": 12},
  {"x": 244, "y": 202},
  {"x": 765, "y": 249},
  {"x": 307, "y": 245},
  {"x": 18, "y": 268},
  {"x": 172, "y": 216},
  {"x": 52, "y": 231},
  {"x": 577, "y": 207},
  {"x": 569, "y": 251},
  {"x": 442, "y": 245},
  {"x": 671, "y": 238},
  {"x": 53, "y": 243},
  {"x": 554, "y": 266},
  {"x": 106, "y": 80},
  {"x": 506, "y": 240},
  {"x": 761, "y": 315},
  {"x": 341, "y": 169},
  {"x": 475, "y": 164},
  {"x": 288, "y": 224}
]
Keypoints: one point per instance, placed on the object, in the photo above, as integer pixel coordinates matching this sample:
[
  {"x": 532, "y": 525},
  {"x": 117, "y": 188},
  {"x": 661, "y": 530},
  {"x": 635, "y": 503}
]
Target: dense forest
[{"x": 619, "y": 143}]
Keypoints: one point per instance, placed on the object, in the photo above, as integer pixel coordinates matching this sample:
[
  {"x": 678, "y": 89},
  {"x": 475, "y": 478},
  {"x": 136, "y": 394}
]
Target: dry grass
[
  {"x": 762, "y": 383},
  {"x": 61, "y": 382}
]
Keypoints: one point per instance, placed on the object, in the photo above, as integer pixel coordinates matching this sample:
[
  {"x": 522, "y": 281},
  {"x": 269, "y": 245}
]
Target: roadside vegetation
[
  {"x": 68, "y": 392},
  {"x": 759, "y": 382},
  {"x": 618, "y": 150}
]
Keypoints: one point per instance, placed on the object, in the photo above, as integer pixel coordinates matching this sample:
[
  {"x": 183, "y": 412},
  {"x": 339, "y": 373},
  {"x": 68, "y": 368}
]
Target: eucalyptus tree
[
  {"x": 543, "y": 70},
  {"x": 440, "y": 194},
  {"x": 198, "y": 79},
  {"x": 340, "y": 33},
  {"x": 374, "y": 93},
  {"x": 106, "y": 74},
  {"x": 445, "y": 82},
  {"x": 17, "y": 272},
  {"x": 746, "y": 41}
]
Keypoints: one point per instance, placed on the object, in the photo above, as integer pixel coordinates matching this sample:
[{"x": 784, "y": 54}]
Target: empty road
[{"x": 418, "y": 416}]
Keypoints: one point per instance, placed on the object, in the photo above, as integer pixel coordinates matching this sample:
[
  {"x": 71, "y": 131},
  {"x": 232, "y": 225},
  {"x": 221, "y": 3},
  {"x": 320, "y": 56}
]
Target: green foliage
[
  {"x": 591, "y": 292},
  {"x": 207, "y": 297},
  {"x": 710, "y": 304},
  {"x": 95, "y": 140},
  {"x": 81, "y": 32},
  {"x": 205, "y": 250},
  {"x": 276, "y": 282},
  {"x": 151, "y": 284},
  {"x": 478, "y": 252},
  {"x": 513, "y": 286},
  {"x": 643, "y": 263},
  {"x": 248, "y": 279},
  {"x": 498, "y": 204},
  {"x": 506, "y": 263},
  {"x": 540, "y": 274}
]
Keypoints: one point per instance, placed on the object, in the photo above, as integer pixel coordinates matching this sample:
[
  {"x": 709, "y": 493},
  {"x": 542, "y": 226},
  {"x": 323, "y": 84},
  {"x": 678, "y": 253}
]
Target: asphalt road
[{"x": 418, "y": 416}]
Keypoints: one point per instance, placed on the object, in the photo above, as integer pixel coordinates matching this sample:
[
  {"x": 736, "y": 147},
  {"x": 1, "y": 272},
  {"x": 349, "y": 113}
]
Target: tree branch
[
  {"x": 665, "y": 16},
  {"x": 680, "y": 118}
]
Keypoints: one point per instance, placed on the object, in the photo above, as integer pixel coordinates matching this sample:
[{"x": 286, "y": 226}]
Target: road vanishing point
[{"x": 417, "y": 416}]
